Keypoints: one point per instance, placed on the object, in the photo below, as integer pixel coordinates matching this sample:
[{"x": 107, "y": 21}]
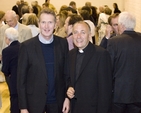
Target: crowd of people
[{"x": 52, "y": 63}]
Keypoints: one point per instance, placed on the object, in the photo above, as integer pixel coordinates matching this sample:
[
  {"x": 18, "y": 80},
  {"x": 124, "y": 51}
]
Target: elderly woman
[{"x": 9, "y": 66}]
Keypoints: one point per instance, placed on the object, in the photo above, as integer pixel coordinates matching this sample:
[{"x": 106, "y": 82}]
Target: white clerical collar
[
  {"x": 81, "y": 50},
  {"x": 44, "y": 41}
]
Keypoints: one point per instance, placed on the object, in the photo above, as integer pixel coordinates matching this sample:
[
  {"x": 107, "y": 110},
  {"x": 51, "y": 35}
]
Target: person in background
[
  {"x": 88, "y": 4},
  {"x": 100, "y": 10},
  {"x": 32, "y": 23},
  {"x": 72, "y": 7},
  {"x": 90, "y": 12},
  {"x": 102, "y": 23},
  {"x": 51, "y": 6},
  {"x": 41, "y": 70},
  {"x": 11, "y": 20},
  {"x": 34, "y": 8},
  {"x": 22, "y": 3},
  {"x": 89, "y": 74},
  {"x": 24, "y": 10},
  {"x": 86, "y": 16},
  {"x": 116, "y": 9},
  {"x": 45, "y": 5},
  {"x": 69, "y": 22},
  {"x": 94, "y": 15},
  {"x": 9, "y": 66},
  {"x": 60, "y": 21},
  {"x": 111, "y": 29},
  {"x": 38, "y": 7},
  {"x": 125, "y": 51},
  {"x": 16, "y": 9},
  {"x": 63, "y": 8}
]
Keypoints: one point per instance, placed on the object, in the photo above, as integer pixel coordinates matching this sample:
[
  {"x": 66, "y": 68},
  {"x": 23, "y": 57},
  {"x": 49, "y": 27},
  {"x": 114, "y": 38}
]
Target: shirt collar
[
  {"x": 44, "y": 41},
  {"x": 16, "y": 27}
]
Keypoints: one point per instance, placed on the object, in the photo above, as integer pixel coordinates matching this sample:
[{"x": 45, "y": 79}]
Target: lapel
[
  {"x": 39, "y": 54},
  {"x": 56, "y": 54},
  {"x": 73, "y": 66},
  {"x": 86, "y": 59}
]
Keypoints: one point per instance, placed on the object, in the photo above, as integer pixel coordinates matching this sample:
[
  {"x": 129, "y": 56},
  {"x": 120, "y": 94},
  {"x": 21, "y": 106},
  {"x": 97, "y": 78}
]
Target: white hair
[
  {"x": 12, "y": 34},
  {"x": 128, "y": 20}
]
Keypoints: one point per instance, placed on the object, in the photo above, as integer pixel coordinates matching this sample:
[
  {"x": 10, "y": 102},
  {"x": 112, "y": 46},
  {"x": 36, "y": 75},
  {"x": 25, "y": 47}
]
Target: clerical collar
[
  {"x": 44, "y": 41},
  {"x": 81, "y": 50}
]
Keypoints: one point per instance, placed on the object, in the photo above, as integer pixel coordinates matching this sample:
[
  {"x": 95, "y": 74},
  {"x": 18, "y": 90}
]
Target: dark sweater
[{"x": 48, "y": 53}]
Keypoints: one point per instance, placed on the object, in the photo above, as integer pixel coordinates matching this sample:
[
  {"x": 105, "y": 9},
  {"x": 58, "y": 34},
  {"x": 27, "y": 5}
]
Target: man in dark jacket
[
  {"x": 9, "y": 66},
  {"x": 125, "y": 51},
  {"x": 90, "y": 77}
]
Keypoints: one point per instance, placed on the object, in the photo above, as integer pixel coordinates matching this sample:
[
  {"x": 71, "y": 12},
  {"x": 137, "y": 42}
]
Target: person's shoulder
[
  {"x": 4, "y": 27},
  {"x": 98, "y": 48},
  {"x": 6, "y": 50},
  {"x": 23, "y": 26},
  {"x": 30, "y": 41},
  {"x": 72, "y": 51},
  {"x": 95, "y": 49},
  {"x": 138, "y": 33}
]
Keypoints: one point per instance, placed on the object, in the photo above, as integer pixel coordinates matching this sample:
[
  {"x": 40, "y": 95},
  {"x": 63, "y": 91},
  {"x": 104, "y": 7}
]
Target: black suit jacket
[
  {"x": 9, "y": 65},
  {"x": 93, "y": 87},
  {"x": 32, "y": 76},
  {"x": 125, "y": 51}
]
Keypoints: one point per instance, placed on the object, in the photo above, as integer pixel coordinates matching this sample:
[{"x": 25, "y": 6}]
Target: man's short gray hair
[{"x": 128, "y": 20}]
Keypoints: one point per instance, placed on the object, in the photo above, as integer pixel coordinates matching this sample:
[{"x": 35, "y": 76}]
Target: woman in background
[
  {"x": 32, "y": 23},
  {"x": 116, "y": 9},
  {"x": 60, "y": 21}
]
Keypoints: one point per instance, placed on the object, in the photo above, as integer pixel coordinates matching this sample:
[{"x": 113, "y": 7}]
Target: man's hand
[
  {"x": 109, "y": 30},
  {"x": 66, "y": 106},
  {"x": 24, "y": 111},
  {"x": 70, "y": 92}
]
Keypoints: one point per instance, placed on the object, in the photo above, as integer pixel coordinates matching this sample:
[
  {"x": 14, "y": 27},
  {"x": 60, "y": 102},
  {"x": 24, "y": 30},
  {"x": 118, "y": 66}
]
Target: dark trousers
[
  {"x": 126, "y": 108},
  {"x": 52, "y": 108},
  {"x": 14, "y": 106}
]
